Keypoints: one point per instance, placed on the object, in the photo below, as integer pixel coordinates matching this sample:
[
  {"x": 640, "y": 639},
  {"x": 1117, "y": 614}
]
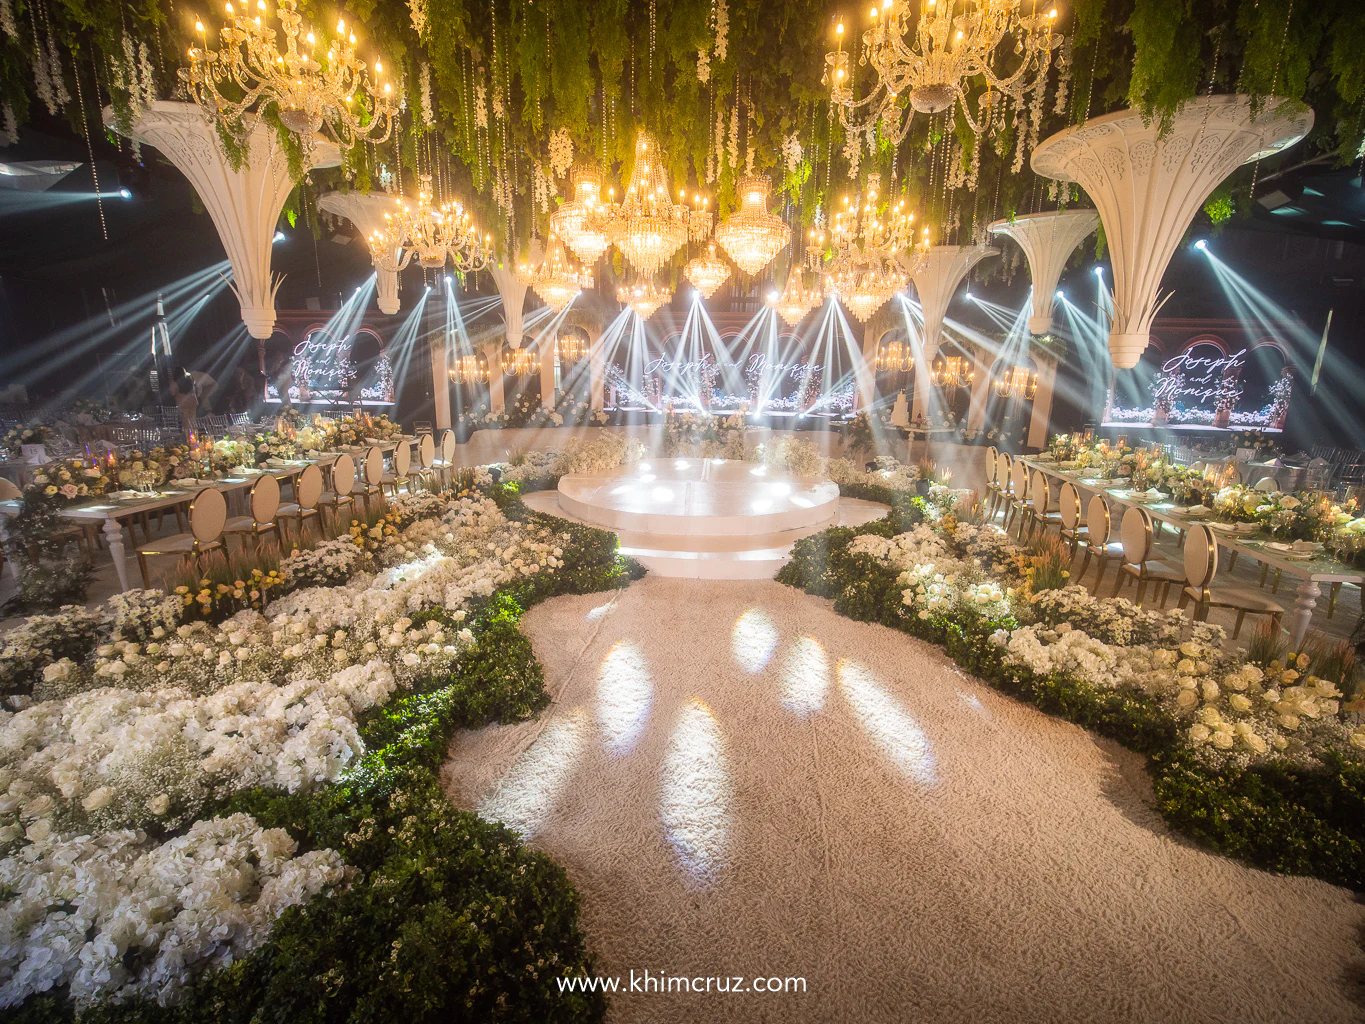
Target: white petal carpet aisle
[{"x": 740, "y": 783}]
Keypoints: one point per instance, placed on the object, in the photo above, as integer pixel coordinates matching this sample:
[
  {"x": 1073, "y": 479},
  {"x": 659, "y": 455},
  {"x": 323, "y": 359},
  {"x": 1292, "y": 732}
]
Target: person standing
[{"x": 186, "y": 396}]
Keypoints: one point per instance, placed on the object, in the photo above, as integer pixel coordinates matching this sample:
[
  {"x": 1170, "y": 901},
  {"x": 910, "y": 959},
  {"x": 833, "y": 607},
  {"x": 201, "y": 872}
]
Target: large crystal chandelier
[
  {"x": 946, "y": 52},
  {"x": 796, "y": 300},
  {"x": 707, "y": 273},
  {"x": 647, "y": 225},
  {"x": 952, "y": 372},
  {"x": 751, "y": 236},
  {"x": 433, "y": 234},
  {"x": 520, "y": 362},
  {"x": 251, "y": 72},
  {"x": 866, "y": 257},
  {"x": 580, "y": 221},
  {"x": 645, "y": 298},
  {"x": 558, "y": 279},
  {"x": 571, "y": 348},
  {"x": 895, "y": 357}
]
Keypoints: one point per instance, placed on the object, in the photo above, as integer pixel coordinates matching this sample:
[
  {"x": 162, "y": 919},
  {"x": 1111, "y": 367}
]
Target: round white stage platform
[{"x": 709, "y": 518}]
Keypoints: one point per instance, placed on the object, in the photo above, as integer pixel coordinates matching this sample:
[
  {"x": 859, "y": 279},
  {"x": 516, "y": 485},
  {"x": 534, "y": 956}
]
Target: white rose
[
  {"x": 39, "y": 830},
  {"x": 1210, "y": 689},
  {"x": 1223, "y": 740},
  {"x": 98, "y": 799},
  {"x": 1239, "y": 703},
  {"x": 1186, "y": 699},
  {"x": 1199, "y": 733},
  {"x": 1290, "y": 722},
  {"x": 159, "y": 804}
]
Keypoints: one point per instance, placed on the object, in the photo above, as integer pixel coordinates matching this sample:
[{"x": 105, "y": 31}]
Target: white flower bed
[
  {"x": 166, "y": 718},
  {"x": 80, "y": 907},
  {"x": 1227, "y": 707}
]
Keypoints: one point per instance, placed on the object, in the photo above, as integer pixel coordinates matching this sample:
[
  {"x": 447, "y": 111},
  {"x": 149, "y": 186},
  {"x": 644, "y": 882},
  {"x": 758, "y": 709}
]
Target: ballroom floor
[{"x": 741, "y": 783}]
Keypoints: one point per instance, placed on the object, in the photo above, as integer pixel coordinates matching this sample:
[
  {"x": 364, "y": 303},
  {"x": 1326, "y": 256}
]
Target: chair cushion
[
  {"x": 181, "y": 543},
  {"x": 292, "y": 511},
  {"x": 1158, "y": 570},
  {"x": 328, "y": 498},
  {"x": 1244, "y": 598}
]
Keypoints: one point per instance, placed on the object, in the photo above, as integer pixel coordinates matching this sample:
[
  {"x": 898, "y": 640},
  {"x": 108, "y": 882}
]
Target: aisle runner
[{"x": 742, "y": 783}]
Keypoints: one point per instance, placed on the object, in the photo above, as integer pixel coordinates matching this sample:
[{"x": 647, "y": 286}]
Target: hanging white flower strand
[
  {"x": 417, "y": 11},
  {"x": 714, "y": 159},
  {"x": 7, "y": 24},
  {"x": 722, "y": 29},
  {"x": 791, "y": 152},
  {"x": 10, "y": 133},
  {"x": 732, "y": 145},
  {"x": 428, "y": 115},
  {"x": 561, "y": 151}
]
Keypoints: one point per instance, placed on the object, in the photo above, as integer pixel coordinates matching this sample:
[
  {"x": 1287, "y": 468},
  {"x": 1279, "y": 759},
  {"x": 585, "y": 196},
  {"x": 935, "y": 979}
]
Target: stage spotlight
[
  {"x": 1099, "y": 271},
  {"x": 968, "y": 295},
  {"x": 279, "y": 236},
  {"x": 125, "y": 193},
  {"x": 449, "y": 279},
  {"x": 1061, "y": 294},
  {"x": 1201, "y": 245}
]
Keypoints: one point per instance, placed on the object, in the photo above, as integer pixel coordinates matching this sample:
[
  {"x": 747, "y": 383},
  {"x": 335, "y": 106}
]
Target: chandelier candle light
[
  {"x": 645, "y": 298},
  {"x": 557, "y": 280},
  {"x": 469, "y": 369},
  {"x": 435, "y": 235},
  {"x": 707, "y": 273},
  {"x": 579, "y": 221},
  {"x": 751, "y": 236},
  {"x": 796, "y": 299},
  {"x": 946, "y": 54},
  {"x": 647, "y": 225},
  {"x": 251, "y": 72}
]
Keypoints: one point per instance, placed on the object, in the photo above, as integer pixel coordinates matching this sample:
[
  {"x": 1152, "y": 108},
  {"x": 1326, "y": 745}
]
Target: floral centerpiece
[
  {"x": 26, "y": 433},
  {"x": 704, "y": 435},
  {"x": 73, "y": 479}
]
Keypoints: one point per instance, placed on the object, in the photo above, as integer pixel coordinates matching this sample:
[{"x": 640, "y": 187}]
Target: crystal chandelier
[
  {"x": 895, "y": 357},
  {"x": 571, "y": 348},
  {"x": 520, "y": 362},
  {"x": 751, "y": 236},
  {"x": 557, "y": 280},
  {"x": 1019, "y": 381},
  {"x": 580, "y": 220},
  {"x": 940, "y": 56},
  {"x": 434, "y": 234},
  {"x": 647, "y": 225},
  {"x": 867, "y": 257},
  {"x": 645, "y": 298},
  {"x": 469, "y": 369},
  {"x": 251, "y": 73},
  {"x": 707, "y": 273},
  {"x": 952, "y": 372},
  {"x": 796, "y": 300}
]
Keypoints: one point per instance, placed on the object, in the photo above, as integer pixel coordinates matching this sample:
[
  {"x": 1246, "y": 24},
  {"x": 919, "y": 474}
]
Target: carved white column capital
[
  {"x": 1048, "y": 240},
  {"x": 244, "y": 204},
  {"x": 366, "y": 212},
  {"x": 1148, "y": 185},
  {"x": 939, "y": 274}
]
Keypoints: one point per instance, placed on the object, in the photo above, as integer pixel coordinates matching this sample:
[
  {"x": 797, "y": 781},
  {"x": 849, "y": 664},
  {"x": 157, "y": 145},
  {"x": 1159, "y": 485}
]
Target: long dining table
[
  {"x": 111, "y": 511},
  {"x": 1314, "y": 570}
]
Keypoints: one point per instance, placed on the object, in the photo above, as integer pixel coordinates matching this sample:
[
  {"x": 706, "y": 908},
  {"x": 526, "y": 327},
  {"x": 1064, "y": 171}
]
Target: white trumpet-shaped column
[
  {"x": 245, "y": 204},
  {"x": 1148, "y": 184},
  {"x": 939, "y": 273},
  {"x": 366, "y": 212},
  {"x": 513, "y": 291},
  {"x": 1048, "y": 240}
]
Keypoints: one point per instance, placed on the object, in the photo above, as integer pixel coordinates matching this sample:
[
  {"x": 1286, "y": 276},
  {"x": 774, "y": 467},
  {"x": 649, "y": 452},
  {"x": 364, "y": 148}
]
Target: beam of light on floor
[
  {"x": 695, "y": 794},
  {"x": 625, "y": 694},
  {"x": 753, "y": 638},
  {"x": 887, "y": 724},
  {"x": 805, "y": 677},
  {"x": 525, "y": 797}
]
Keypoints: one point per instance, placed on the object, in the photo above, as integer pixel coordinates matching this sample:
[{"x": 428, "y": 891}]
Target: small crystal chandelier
[
  {"x": 707, "y": 273},
  {"x": 932, "y": 57},
  {"x": 557, "y": 280},
  {"x": 520, "y": 362},
  {"x": 1019, "y": 381},
  {"x": 952, "y": 372},
  {"x": 895, "y": 357},
  {"x": 751, "y": 236},
  {"x": 433, "y": 234},
  {"x": 251, "y": 73},
  {"x": 647, "y": 225},
  {"x": 580, "y": 220},
  {"x": 796, "y": 300},
  {"x": 867, "y": 257},
  {"x": 469, "y": 369},
  {"x": 644, "y": 298},
  {"x": 571, "y": 348}
]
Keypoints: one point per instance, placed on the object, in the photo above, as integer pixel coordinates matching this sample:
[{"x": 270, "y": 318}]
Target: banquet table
[
  {"x": 1313, "y": 571},
  {"x": 111, "y": 512}
]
